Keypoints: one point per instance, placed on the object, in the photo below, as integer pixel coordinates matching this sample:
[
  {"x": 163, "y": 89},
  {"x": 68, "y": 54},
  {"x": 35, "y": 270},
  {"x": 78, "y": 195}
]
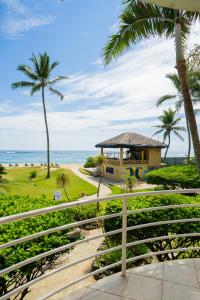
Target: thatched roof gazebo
[
  {"x": 130, "y": 139},
  {"x": 137, "y": 153}
]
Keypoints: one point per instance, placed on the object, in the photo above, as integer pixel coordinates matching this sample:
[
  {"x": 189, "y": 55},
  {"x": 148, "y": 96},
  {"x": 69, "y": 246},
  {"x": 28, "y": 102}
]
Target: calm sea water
[{"x": 11, "y": 156}]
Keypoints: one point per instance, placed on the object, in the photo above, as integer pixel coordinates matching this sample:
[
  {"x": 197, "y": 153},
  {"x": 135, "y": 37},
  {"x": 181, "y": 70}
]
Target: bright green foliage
[
  {"x": 155, "y": 216},
  {"x": 63, "y": 182},
  {"x": 2, "y": 171},
  {"x": 33, "y": 174},
  {"x": 175, "y": 177},
  {"x": 130, "y": 182},
  {"x": 15, "y": 204},
  {"x": 16, "y": 183},
  {"x": 90, "y": 162},
  {"x": 84, "y": 212}
]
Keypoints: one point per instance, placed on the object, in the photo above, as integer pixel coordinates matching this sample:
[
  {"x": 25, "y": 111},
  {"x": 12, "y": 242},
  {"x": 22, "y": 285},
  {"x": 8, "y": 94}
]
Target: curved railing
[{"x": 123, "y": 230}]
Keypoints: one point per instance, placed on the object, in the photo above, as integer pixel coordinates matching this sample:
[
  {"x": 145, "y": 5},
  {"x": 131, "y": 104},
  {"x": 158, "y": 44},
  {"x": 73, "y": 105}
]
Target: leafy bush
[
  {"x": 15, "y": 204},
  {"x": 2, "y": 171},
  {"x": 191, "y": 161},
  {"x": 162, "y": 230},
  {"x": 90, "y": 162},
  {"x": 175, "y": 177},
  {"x": 83, "y": 212},
  {"x": 33, "y": 174}
]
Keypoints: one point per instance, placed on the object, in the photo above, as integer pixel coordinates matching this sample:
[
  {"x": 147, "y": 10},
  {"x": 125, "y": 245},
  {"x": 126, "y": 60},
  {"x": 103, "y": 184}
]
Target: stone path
[{"x": 61, "y": 278}]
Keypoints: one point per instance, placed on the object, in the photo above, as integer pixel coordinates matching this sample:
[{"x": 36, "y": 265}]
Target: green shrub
[
  {"x": 90, "y": 162},
  {"x": 10, "y": 205},
  {"x": 162, "y": 230},
  {"x": 175, "y": 177},
  {"x": 83, "y": 212},
  {"x": 33, "y": 174},
  {"x": 2, "y": 171}
]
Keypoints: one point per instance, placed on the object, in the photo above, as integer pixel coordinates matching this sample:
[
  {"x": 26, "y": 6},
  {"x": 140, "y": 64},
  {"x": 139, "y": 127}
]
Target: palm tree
[
  {"x": 169, "y": 125},
  {"x": 99, "y": 163},
  {"x": 193, "y": 80},
  {"x": 63, "y": 182},
  {"x": 39, "y": 74},
  {"x": 140, "y": 20}
]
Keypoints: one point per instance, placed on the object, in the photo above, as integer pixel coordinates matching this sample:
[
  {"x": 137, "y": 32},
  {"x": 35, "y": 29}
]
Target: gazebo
[{"x": 137, "y": 155}]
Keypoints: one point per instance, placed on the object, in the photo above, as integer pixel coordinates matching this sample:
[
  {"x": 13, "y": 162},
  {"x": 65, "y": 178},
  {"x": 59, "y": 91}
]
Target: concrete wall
[{"x": 154, "y": 157}]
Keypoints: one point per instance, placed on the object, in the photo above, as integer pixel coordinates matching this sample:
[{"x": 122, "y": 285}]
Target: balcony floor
[{"x": 175, "y": 280}]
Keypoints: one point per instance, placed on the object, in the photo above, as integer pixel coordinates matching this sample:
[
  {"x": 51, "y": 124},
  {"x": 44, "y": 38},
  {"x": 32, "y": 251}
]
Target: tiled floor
[{"x": 175, "y": 280}]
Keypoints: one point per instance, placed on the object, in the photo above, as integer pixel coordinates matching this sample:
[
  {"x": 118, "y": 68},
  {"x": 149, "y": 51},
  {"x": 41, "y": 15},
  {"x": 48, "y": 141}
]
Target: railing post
[{"x": 124, "y": 235}]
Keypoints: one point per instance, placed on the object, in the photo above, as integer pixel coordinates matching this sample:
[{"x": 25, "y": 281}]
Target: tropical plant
[
  {"x": 193, "y": 80},
  {"x": 99, "y": 163},
  {"x": 130, "y": 182},
  {"x": 140, "y": 20},
  {"x": 63, "y": 182},
  {"x": 169, "y": 125},
  {"x": 28, "y": 249},
  {"x": 2, "y": 171},
  {"x": 175, "y": 177},
  {"x": 40, "y": 74},
  {"x": 33, "y": 174},
  {"x": 150, "y": 232},
  {"x": 90, "y": 162}
]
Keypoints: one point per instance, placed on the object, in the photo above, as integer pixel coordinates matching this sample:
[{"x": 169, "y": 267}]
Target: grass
[
  {"x": 84, "y": 171},
  {"x": 16, "y": 182},
  {"x": 118, "y": 190}
]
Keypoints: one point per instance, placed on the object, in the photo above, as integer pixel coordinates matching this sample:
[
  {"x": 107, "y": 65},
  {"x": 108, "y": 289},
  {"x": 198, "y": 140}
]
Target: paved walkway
[
  {"x": 174, "y": 280},
  {"x": 104, "y": 189},
  {"x": 45, "y": 286}
]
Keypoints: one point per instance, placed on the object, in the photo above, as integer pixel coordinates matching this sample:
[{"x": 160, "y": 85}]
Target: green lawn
[
  {"x": 117, "y": 190},
  {"x": 16, "y": 182}
]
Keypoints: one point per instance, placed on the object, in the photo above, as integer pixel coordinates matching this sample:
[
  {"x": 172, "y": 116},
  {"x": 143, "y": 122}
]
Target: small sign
[{"x": 57, "y": 195}]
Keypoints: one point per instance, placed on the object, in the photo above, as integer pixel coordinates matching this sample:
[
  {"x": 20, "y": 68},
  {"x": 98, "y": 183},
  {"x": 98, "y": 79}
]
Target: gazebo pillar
[{"x": 121, "y": 157}]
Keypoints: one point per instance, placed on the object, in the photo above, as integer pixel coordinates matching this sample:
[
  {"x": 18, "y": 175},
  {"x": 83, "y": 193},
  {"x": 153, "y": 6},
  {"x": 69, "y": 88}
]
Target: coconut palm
[
  {"x": 40, "y": 74},
  {"x": 140, "y": 20},
  {"x": 99, "y": 163},
  {"x": 169, "y": 125},
  {"x": 193, "y": 80}
]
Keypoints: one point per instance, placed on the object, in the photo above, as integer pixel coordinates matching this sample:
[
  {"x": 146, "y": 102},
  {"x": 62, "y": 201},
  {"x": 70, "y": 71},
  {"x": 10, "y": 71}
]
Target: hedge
[
  {"x": 10, "y": 205},
  {"x": 162, "y": 230},
  {"x": 175, "y": 177}
]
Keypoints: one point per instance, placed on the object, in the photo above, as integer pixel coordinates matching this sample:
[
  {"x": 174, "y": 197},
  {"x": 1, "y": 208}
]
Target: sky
[{"x": 100, "y": 102}]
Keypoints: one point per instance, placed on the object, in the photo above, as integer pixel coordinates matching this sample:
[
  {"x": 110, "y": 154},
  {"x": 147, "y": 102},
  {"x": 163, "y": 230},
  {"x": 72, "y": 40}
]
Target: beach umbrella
[{"x": 190, "y": 5}]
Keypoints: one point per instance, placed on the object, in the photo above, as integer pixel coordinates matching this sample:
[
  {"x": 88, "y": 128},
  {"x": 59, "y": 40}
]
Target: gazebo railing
[{"x": 123, "y": 231}]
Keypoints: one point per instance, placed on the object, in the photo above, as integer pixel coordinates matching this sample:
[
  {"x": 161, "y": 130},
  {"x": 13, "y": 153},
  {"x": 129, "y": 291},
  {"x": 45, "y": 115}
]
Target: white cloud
[
  {"x": 20, "y": 19},
  {"x": 102, "y": 103}
]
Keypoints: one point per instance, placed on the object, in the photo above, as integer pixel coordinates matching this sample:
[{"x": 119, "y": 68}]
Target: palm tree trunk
[
  {"x": 47, "y": 134},
  {"x": 189, "y": 140},
  {"x": 169, "y": 141},
  {"x": 66, "y": 193},
  {"x": 98, "y": 189},
  {"x": 189, "y": 111}
]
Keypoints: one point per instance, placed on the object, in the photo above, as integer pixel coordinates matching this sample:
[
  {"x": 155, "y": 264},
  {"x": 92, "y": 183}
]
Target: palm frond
[
  {"x": 57, "y": 93},
  {"x": 28, "y": 72},
  {"x": 178, "y": 135},
  {"x": 138, "y": 20},
  {"x": 164, "y": 99},
  {"x": 54, "y": 65},
  {"x": 22, "y": 84},
  {"x": 36, "y": 88},
  {"x": 56, "y": 79}
]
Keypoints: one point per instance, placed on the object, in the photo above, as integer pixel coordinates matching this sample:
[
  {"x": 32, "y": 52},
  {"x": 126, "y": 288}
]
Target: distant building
[{"x": 137, "y": 155}]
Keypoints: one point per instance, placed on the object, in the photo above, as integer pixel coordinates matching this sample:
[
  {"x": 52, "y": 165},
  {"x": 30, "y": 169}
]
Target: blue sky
[{"x": 99, "y": 102}]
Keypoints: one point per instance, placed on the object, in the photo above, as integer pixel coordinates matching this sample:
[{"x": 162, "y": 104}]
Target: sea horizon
[{"x": 11, "y": 156}]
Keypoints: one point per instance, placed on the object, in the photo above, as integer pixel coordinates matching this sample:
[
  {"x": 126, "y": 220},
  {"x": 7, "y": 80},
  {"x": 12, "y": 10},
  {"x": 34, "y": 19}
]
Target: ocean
[{"x": 12, "y": 156}]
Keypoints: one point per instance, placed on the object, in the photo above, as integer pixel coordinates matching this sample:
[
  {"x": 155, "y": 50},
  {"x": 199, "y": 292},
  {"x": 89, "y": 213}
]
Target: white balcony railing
[{"x": 124, "y": 213}]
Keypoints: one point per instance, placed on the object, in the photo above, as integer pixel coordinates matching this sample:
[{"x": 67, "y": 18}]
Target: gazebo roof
[{"x": 129, "y": 140}]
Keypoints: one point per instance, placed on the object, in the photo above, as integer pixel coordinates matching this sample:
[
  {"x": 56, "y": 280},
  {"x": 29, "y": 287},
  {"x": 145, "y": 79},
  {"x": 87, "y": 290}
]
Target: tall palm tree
[
  {"x": 169, "y": 125},
  {"x": 40, "y": 74},
  {"x": 193, "y": 80},
  {"x": 140, "y": 20}
]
